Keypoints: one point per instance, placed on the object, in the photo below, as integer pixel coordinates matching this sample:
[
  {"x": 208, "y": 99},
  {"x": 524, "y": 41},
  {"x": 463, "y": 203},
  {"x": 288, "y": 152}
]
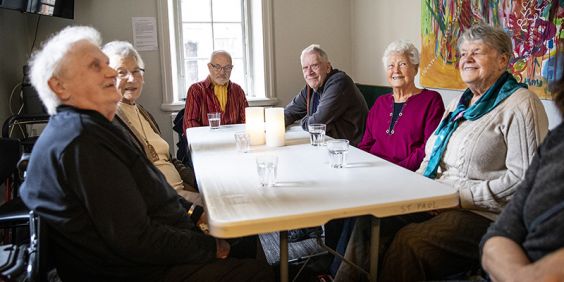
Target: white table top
[{"x": 308, "y": 192}]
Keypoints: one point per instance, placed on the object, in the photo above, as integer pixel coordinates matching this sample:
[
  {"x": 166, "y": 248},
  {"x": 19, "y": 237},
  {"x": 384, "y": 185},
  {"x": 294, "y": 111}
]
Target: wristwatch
[{"x": 195, "y": 212}]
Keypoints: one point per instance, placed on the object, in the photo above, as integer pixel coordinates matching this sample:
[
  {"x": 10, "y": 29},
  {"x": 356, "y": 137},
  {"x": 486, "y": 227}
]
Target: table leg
[
  {"x": 283, "y": 256},
  {"x": 374, "y": 244}
]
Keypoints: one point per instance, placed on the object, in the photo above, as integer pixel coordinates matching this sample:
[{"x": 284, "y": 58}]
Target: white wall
[
  {"x": 299, "y": 23},
  {"x": 377, "y": 23}
]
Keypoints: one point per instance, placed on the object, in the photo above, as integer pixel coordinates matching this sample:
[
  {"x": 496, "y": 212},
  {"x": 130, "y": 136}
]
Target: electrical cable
[
  {"x": 20, "y": 110},
  {"x": 35, "y": 36},
  {"x": 12, "y": 96}
]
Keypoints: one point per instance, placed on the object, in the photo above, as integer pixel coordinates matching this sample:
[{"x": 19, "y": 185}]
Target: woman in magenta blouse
[
  {"x": 397, "y": 128},
  {"x": 399, "y": 123}
]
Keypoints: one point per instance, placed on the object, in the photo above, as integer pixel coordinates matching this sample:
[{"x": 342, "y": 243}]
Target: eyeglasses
[
  {"x": 313, "y": 67},
  {"x": 125, "y": 73},
  {"x": 218, "y": 67}
]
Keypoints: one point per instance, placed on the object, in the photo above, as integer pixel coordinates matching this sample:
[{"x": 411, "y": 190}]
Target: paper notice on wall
[{"x": 145, "y": 33}]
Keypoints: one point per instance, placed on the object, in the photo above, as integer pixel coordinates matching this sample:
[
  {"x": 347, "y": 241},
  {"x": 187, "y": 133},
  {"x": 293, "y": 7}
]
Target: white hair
[
  {"x": 495, "y": 37},
  {"x": 401, "y": 47},
  {"x": 46, "y": 62},
  {"x": 220, "y": 53},
  {"x": 315, "y": 48},
  {"x": 123, "y": 49}
]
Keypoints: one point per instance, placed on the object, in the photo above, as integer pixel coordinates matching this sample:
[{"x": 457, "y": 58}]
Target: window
[{"x": 192, "y": 29}]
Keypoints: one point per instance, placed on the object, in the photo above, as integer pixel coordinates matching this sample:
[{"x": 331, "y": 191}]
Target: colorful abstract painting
[{"x": 536, "y": 28}]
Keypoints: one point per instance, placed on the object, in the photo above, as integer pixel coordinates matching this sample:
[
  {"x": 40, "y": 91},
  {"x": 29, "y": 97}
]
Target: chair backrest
[
  {"x": 182, "y": 153},
  {"x": 372, "y": 92},
  {"x": 17, "y": 119}
]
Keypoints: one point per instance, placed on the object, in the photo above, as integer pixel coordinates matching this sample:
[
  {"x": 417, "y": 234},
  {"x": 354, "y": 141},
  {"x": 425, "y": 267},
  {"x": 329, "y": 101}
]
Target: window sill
[
  {"x": 253, "y": 102},
  {"x": 172, "y": 107},
  {"x": 261, "y": 102}
]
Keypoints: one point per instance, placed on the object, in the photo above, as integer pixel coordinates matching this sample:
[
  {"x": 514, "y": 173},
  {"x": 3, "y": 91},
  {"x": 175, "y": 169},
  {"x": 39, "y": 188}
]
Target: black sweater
[
  {"x": 341, "y": 107},
  {"x": 111, "y": 213}
]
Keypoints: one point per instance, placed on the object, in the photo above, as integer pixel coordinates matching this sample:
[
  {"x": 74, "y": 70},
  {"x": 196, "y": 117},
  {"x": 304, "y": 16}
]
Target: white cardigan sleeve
[{"x": 523, "y": 126}]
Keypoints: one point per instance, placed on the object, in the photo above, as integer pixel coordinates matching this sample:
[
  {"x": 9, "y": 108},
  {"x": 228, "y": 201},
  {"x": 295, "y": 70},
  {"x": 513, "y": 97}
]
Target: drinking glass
[
  {"x": 266, "y": 169},
  {"x": 316, "y": 134},
  {"x": 214, "y": 120},
  {"x": 338, "y": 149},
  {"x": 243, "y": 141}
]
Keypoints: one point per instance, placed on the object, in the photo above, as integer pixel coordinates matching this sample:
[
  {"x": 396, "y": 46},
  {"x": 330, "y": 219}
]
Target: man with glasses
[
  {"x": 330, "y": 97},
  {"x": 215, "y": 94}
]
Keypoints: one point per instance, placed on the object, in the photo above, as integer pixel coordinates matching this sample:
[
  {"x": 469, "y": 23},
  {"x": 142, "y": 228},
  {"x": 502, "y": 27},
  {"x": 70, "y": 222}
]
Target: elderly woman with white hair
[
  {"x": 397, "y": 128},
  {"x": 140, "y": 124},
  {"x": 399, "y": 123}
]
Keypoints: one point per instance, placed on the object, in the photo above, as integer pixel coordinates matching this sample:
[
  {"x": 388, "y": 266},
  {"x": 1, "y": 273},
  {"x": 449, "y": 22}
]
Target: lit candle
[
  {"x": 254, "y": 124},
  {"x": 275, "y": 128}
]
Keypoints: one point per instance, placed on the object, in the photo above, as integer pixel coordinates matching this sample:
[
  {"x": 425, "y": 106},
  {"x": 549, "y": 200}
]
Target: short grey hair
[
  {"x": 401, "y": 47},
  {"x": 494, "y": 37},
  {"x": 46, "y": 62},
  {"x": 123, "y": 49},
  {"x": 220, "y": 52},
  {"x": 315, "y": 48}
]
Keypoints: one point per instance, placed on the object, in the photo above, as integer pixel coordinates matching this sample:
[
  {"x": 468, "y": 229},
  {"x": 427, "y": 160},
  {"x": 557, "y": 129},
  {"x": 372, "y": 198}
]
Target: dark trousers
[
  {"x": 240, "y": 266},
  {"x": 230, "y": 269},
  {"x": 442, "y": 246},
  {"x": 333, "y": 231},
  {"x": 357, "y": 248}
]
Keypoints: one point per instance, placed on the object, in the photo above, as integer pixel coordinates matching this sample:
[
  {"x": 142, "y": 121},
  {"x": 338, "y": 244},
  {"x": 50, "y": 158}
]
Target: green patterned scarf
[{"x": 501, "y": 89}]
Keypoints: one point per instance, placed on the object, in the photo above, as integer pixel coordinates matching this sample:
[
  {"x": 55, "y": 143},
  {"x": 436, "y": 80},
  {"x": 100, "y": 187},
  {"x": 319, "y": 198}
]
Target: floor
[{"x": 271, "y": 245}]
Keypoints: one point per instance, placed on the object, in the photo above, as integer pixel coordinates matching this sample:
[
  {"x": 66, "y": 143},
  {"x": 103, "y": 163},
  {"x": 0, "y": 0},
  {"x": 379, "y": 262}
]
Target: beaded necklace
[
  {"x": 152, "y": 152},
  {"x": 395, "y": 107}
]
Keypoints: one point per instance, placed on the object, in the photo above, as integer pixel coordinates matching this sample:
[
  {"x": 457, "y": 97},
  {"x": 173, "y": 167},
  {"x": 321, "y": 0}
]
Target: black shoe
[{"x": 298, "y": 235}]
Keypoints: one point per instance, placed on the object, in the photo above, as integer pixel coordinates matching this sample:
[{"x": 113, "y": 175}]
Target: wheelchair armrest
[{"x": 13, "y": 212}]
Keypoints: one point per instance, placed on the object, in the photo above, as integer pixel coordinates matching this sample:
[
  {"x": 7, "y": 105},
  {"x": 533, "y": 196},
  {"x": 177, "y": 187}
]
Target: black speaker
[{"x": 19, "y": 5}]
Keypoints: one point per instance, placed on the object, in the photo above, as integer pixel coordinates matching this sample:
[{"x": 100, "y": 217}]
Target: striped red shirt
[{"x": 201, "y": 100}]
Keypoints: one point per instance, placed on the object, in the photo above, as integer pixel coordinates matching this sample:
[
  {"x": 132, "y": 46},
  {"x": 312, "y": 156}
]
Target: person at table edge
[
  {"x": 526, "y": 242},
  {"x": 216, "y": 93},
  {"x": 329, "y": 96}
]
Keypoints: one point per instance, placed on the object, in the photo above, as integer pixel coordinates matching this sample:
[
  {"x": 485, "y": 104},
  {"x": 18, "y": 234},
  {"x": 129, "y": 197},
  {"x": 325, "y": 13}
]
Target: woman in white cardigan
[{"x": 482, "y": 147}]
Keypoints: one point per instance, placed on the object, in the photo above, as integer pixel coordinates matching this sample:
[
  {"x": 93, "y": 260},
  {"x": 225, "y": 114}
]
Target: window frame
[{"x": 170, "y": 59}]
